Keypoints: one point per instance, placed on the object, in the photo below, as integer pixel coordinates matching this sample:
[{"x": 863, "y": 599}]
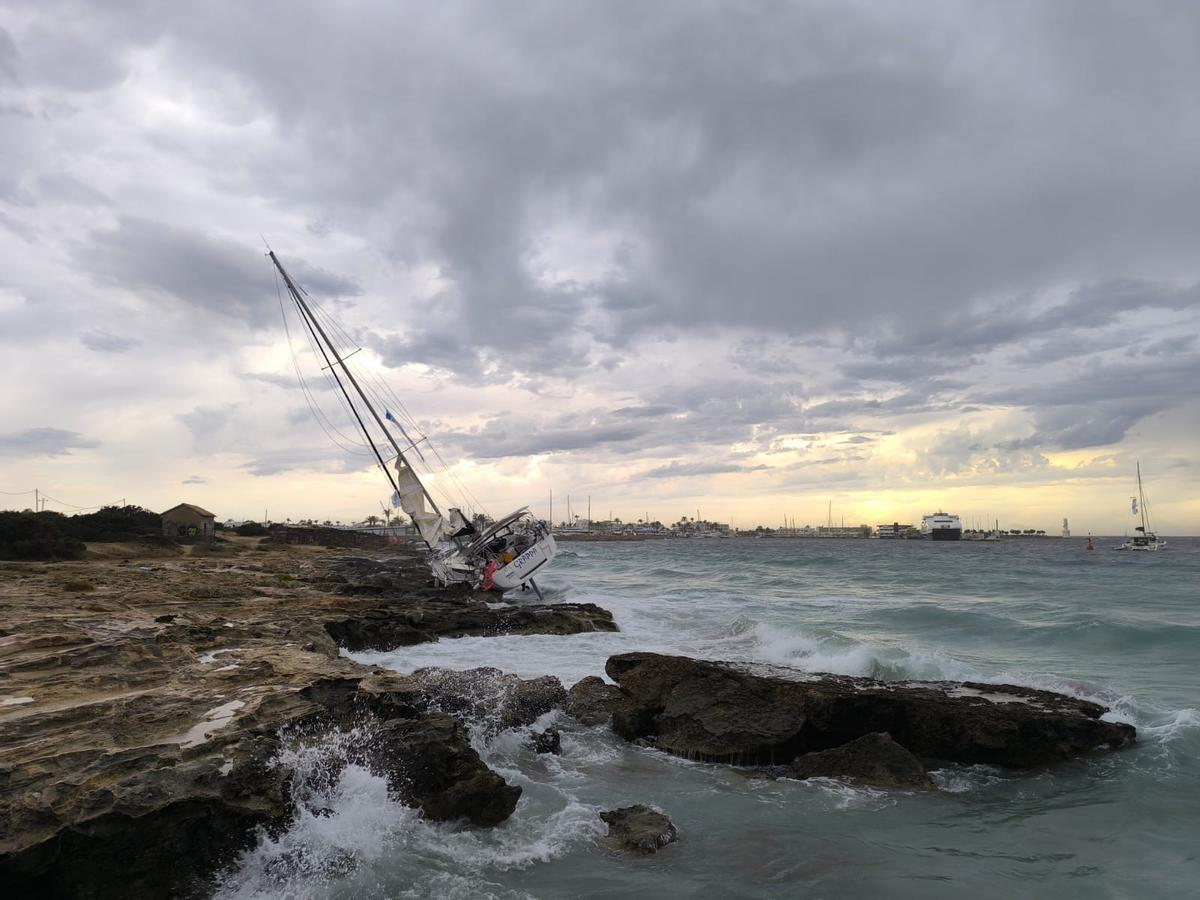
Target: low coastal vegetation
[{"x": 52, "y": 536}]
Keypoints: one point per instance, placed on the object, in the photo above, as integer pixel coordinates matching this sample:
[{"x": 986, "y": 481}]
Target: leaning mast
[{"x": 314, "y": 326}]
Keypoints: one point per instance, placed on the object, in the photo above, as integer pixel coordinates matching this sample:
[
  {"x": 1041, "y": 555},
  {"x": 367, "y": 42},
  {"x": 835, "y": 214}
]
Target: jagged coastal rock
[
  {"x": 409, "y": 610},
  {"x": 592, "y": 700},
  {"x": 871, "y": 759},
  {"x": 639, "y": 829},
  {"x": 725, "y": 712},
  {"x": 490, "y": 696},
  {"x": 158, "y": 696}
]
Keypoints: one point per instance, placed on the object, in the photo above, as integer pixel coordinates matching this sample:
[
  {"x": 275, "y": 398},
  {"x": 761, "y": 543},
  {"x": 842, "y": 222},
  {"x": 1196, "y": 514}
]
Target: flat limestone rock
[
  {"x": 143, "y": 719},
  {"x": 639, "y": 829},
  {"x": 747, "y": 715}
]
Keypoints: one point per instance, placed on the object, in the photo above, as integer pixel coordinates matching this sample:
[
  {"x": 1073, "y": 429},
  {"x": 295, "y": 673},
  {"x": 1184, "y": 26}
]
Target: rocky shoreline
[{"x": 144, "y": 703}]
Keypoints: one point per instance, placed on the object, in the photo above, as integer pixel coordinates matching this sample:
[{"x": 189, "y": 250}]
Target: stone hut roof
[{"x": 198, "y": 510}]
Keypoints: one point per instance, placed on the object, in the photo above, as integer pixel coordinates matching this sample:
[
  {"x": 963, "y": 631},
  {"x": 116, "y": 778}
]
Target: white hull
[
  {"x": 525, "y": 566},
  {"x": 1142, "y": 547}
]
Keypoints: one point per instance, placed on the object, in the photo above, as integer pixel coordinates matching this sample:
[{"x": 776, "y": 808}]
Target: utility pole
[{"x": 35, "y": 500}]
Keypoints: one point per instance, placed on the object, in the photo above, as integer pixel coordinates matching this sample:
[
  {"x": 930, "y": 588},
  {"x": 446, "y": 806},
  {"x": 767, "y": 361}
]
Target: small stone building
[{"x": 189, "y": 522}]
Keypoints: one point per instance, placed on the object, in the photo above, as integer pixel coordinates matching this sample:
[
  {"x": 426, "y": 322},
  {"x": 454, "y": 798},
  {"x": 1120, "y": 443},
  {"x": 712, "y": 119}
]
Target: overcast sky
[{"x": 742, "y": 258}]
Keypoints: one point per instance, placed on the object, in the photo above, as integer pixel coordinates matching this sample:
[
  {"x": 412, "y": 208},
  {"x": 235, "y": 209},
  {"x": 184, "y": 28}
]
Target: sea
[{"x": 1121, "y": 629}]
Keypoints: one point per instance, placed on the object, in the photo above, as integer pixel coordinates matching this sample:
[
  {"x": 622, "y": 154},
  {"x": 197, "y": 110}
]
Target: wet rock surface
[
  {"x": 724, "y": 712},
  {"x": 639, "y": 829},
  {"x": 548, "y": 741},
  {"x": 490, "y": 696},
  {"x": 592, "y": 700},
  {"x": 873, "y": 759},
  {"x": 408, "y": 609},
  {"x": 141, "y": 723}
]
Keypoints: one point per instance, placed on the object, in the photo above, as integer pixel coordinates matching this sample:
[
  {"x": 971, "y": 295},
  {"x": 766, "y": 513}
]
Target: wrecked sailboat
[{"x": 499, "y": 555}]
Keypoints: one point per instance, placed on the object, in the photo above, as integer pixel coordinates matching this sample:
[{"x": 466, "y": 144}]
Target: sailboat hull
[{"x": 525, "y": 566}]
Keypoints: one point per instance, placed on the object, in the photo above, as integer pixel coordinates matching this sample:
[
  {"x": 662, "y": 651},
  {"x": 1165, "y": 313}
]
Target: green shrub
[
  {"x": 115, "y": 523},
  {"x": 44, "y": 535},
  {"x": 251, "y": 529}
]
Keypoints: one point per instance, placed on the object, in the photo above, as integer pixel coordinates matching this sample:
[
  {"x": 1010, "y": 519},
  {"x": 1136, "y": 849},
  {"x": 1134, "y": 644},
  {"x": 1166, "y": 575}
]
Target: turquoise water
[{"x": 1122, "y": 629}]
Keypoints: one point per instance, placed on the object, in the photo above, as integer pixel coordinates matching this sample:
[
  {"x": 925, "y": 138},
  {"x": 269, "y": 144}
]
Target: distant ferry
[{"x": 941, "y": 527}]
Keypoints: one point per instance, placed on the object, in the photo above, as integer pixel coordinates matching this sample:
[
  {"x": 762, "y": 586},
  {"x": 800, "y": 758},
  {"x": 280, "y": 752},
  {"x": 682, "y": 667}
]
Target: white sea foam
[
  {"x": 346, "y": 825},
  {"x": 1180, "y": 723}
]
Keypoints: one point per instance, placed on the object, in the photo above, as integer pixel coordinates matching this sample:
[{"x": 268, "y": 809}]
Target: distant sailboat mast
[{"x": 1141, "y": 497}]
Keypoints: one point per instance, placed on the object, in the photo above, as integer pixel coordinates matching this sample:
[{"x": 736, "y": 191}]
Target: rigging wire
[
  {"x": 466, "y": 497},
  {"x": 384, "y": 396},
  {"x": 309, "y": 399}
]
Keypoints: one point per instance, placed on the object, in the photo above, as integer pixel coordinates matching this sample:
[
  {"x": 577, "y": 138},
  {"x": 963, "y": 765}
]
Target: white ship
[{"x": 941, "y": 526}]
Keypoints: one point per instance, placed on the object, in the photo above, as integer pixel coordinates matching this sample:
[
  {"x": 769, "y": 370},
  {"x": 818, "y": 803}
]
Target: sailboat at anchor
[
  {"x": 503, "y": 555},
  {"x": 1145, "y": 539}
]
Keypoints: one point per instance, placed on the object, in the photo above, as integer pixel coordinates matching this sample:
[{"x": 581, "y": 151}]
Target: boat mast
[
  {"x": 1141, "y": 496},
  {"x": 312, "y": 323}
]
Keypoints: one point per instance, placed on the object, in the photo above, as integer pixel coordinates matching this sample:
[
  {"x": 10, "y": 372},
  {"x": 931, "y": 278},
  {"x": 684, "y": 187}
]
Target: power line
[{"x": 46, "y": 496}]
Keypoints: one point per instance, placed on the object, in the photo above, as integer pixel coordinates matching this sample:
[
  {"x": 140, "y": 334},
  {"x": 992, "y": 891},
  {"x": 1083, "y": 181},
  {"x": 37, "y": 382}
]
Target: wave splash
[{"x": 349, "y": 836}]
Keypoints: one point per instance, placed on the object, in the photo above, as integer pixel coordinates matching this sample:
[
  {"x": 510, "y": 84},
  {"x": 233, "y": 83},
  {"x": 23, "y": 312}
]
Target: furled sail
[{"x": 412, "y": 500}]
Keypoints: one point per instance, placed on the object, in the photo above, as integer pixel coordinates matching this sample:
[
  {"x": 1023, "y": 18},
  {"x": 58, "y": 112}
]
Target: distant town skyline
[{"x": 749, "y": 259}]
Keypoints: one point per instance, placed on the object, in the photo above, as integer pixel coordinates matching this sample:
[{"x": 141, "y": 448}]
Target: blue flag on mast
[{"x": 1133, "y": 506}]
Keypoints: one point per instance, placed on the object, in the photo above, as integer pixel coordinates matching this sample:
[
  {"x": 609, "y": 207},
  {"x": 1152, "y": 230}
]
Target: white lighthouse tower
[{"x": 1066, "y": 529}]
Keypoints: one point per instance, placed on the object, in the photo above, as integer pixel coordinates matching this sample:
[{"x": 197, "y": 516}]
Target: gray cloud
[
  {"x": 104, "y": 342},
  {"x": 710, "y": 144},
  {"x": 194, "y": 479},
  {"x": 204, "y": 272},
  {"x": 8, "y": 56},
  {"x": 204, "y": 422},
  {"x": 1097, "y": 406},
  {"x": 824, "y": 220},
  {"x": 689, "y": 470},
  {"x": 44, "y": 442}
]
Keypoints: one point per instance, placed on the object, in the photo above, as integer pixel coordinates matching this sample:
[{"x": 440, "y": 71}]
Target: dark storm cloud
[
  {"x": 204, "y": 272},
  {"x": 982, "y": 328},
  {"x": 1097, "y": 406},
  {"x": 884, "y": 197},
  {"x": 772, "y": 166},
  {"x": 44, "y": 442}
]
